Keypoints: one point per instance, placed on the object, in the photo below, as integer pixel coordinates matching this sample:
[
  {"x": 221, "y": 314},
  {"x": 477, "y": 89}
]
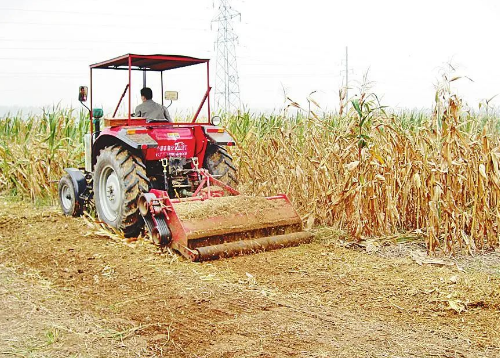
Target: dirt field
[{"x": 66, "y": 291}]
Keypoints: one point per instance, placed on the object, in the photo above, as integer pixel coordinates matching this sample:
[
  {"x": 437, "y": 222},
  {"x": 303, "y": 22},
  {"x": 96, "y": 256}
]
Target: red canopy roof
[{"x": 149, "y": 62}]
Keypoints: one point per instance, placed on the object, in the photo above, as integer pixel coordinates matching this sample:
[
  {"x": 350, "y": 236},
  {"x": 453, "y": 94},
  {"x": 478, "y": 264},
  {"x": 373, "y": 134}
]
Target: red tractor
[{"x": 177, "y": 179}]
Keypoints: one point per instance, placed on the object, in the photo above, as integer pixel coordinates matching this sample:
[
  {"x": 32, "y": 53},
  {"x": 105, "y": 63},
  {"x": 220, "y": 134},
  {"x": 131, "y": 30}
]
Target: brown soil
[
  {"x": 316, "y": 300},
  {"x": 38, "y": 320}
]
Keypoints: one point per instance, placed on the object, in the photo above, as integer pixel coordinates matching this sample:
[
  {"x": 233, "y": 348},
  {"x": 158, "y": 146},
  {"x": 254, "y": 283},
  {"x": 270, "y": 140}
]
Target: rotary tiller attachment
[{"x": 209, "y": 225}]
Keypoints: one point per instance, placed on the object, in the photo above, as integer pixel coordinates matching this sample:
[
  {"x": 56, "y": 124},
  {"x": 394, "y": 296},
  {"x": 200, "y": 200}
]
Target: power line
[
  {"x": 120, "y": 15},
  {"x": 65, "y": 12},
  {"x": 107, "y": 42},
  {"x": 280, "y": 75},
  {"x": 30, "y": 58},
  {"x": 48, "y": 48},
  {"x": 100, "y": 25},
  {"x": 32, "y": 74}
]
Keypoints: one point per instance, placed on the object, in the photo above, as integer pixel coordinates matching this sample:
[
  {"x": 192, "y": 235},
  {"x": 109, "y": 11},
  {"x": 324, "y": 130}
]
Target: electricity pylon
[{"x": 227, "y": 84}]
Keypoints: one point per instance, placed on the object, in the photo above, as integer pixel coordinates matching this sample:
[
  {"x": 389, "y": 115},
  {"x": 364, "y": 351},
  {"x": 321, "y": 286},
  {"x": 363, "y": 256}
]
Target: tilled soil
[{"x": 316, "y": 300}]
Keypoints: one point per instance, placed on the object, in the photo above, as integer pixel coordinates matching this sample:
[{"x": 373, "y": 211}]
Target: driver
[{"x": 150, "y": 109}]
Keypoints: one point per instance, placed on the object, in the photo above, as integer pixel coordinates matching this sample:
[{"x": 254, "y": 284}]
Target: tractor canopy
[{"x": 146, "y": 63}]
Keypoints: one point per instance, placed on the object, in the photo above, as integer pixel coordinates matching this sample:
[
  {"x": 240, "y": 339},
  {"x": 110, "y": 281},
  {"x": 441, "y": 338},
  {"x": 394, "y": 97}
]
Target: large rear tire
[
  {"x": 119, "y": 179},
  {"x": 220, "y": 164}
]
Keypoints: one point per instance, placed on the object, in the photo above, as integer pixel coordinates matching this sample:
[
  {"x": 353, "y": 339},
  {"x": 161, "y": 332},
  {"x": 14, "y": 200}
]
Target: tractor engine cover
[{"x": 172, "y": 142}]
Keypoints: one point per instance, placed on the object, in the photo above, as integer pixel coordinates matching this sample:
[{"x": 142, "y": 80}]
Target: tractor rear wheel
[
  {"x": 220, "y": 164},
  {"x": 70, "y": 205},
  {"x": 119, "y": 179}
]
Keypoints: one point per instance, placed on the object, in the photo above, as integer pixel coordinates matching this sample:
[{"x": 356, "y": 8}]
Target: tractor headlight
[{"x": 216, "y": 121}]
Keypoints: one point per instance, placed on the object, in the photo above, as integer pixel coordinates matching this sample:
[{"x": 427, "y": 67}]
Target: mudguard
[
  {"x": 218, "y": 135},
  {"x": 79, "y": 182},
  {"x": 135, "y": 139}
]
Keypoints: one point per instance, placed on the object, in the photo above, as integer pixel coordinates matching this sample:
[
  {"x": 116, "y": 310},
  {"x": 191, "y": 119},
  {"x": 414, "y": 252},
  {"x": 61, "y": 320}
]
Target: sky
[{"x": 285, "y": 48}]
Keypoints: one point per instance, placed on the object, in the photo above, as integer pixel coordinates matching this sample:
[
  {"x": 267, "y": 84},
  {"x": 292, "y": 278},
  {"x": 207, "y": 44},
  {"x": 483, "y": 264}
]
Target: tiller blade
[{"x": 212, "y": 225}]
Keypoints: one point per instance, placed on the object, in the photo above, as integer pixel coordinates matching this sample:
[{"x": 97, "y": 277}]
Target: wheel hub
[
  {"x": 66, "y": 196},
  {"x": 109, "y": 185}
]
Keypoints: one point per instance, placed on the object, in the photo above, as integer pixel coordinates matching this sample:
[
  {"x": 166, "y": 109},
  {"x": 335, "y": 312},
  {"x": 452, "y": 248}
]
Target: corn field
[
  {"x": 444, "y": 184},
  {"x": 35, "y": 150},
  {"x": 365, "y": 172}
]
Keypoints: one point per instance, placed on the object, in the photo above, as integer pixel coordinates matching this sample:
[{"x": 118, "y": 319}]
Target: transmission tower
[{"x": 227, "y": 84}]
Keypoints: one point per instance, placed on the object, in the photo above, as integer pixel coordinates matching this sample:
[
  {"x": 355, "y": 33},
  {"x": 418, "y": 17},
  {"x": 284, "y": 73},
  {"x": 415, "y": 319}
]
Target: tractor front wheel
[
  {"x": 70, "y": 205},
  {"x": 119, "y": 179}
]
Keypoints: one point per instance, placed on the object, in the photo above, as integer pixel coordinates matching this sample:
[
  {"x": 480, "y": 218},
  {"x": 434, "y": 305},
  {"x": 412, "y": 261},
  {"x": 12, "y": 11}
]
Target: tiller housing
[{"x": 232, "y": 232}]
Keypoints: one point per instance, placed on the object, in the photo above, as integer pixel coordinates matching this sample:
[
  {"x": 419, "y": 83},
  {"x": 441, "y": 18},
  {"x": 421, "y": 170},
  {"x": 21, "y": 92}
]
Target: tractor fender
[
  {"x": 113, "y": 138},
  {"x": 79, "y": 182},
  {"x": 218, "y": 135}
]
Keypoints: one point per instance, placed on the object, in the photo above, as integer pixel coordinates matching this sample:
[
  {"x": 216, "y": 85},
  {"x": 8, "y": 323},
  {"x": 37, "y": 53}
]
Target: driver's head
[{"x": 146, "y": 93}]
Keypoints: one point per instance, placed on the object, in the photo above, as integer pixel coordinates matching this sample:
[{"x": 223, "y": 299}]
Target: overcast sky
[{"x": 296, "y": 46}]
